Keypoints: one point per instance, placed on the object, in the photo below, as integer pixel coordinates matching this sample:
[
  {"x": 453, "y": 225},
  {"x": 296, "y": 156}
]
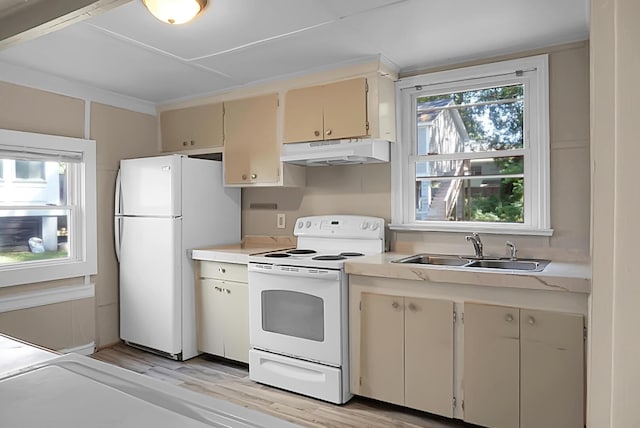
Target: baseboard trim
[
  {"x": 87, "y": 349},
  {"x": 48, "y": 296}
]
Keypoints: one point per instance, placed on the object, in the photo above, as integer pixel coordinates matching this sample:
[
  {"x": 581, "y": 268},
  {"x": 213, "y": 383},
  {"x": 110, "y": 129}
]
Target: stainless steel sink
[
  {"x": 435, "y": 259},
  {"x": 530, "y": 265}
]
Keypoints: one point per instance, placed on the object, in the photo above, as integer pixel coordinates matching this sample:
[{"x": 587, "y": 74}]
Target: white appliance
[
  {"x": 77, "y": 391},
  {"x": 336, "y": 152},
  {"x": 298, "y": 305},
  {"x": 165, "y": 206}
]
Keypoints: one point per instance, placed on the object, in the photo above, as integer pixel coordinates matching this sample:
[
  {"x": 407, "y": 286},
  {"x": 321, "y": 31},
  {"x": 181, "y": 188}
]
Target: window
[
  {"x": 473, "y": 152},
  {"x": 47, "y": 208},
  {"x": 30, "y": 170}
]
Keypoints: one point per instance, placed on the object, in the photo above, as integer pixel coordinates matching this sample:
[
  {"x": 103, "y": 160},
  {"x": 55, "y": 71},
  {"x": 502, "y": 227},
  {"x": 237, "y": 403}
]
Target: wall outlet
[{"x": 280, "y": 221}]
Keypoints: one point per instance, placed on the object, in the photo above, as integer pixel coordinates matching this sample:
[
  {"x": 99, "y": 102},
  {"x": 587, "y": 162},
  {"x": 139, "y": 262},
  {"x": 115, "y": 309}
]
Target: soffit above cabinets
[{"x": 118, "y": 46}]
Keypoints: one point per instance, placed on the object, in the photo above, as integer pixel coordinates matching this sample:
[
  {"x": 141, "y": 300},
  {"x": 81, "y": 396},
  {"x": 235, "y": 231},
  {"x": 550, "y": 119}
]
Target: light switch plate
[{"x": 280, "y": 221}]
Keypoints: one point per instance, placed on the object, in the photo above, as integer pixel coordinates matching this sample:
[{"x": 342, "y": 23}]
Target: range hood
[{"x": 336, "y": 152}]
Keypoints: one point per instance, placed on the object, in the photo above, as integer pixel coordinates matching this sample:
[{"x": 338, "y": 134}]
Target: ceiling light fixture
[{"x": 175, "y": 11}]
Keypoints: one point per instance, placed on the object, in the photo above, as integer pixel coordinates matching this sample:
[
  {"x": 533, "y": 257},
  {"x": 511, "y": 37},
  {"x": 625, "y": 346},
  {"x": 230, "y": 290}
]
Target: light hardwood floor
[{"x": 229, "y": 381}]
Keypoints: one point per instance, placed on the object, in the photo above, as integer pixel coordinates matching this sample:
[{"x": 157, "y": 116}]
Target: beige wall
[
  {"x": 119, "y": 134},
  {"x": 366, "y": 190},
  {"x": 614, "y": 346}
]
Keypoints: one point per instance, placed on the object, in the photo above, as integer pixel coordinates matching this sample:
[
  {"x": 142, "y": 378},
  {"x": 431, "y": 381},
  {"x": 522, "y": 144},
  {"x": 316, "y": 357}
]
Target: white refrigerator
[{"x": 165, "y": 206}]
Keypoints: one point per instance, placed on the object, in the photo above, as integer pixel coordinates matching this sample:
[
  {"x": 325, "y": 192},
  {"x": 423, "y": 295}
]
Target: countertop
[
  {"x": 16, "y": 354},
  {"x": 239, "y": 253},
  {"x": 557, "y": 276}
]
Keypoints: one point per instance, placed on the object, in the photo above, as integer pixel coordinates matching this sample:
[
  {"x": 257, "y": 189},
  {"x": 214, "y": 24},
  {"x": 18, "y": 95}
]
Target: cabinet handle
[
  {"x": 254, "y": 176},
  {"x": 227, "y": 290},
  {"x": 328, "y": 132},
  {"x": 531, "y": 320},
  {"x": 508, "y": 318},
  {"x": 395, "y": 305},
  {"x": 221, "y": 270},
  {"x": 316, "y": 133},
  {"x": 217, "y": 288},
  {"x": 412, "y": 307}
]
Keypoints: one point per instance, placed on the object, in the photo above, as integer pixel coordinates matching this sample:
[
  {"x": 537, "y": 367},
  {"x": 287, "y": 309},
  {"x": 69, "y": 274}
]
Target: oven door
[{"x": 296, "y": 311}]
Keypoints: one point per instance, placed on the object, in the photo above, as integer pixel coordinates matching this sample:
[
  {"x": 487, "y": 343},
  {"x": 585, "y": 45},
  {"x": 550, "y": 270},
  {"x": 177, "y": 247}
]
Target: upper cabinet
[
  {"x": 192, "y": 128},
  {"x": 354, "y": 108},
  {"x": 251, "y": 148}
]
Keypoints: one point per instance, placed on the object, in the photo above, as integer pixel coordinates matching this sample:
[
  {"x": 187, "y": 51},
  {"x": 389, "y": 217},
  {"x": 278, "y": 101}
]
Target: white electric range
[{"x": 298, "y": 303}]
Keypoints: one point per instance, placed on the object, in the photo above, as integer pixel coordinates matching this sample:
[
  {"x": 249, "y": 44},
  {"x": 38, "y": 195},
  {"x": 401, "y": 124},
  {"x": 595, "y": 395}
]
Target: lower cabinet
[
  {"x": 222, "y": 310},
  {"x": 523, "y": 367},
  {"x": 406, "y": 354}
]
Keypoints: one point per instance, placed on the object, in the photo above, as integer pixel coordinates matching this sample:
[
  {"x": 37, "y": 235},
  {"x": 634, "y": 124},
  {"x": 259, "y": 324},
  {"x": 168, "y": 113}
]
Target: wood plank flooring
[{"x": 229, "y": 381}]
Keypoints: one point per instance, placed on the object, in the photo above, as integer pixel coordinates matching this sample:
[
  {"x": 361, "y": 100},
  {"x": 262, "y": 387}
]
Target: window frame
[
  {"x": 536, "y": 146},
  {"x": 83, "y": 261}
]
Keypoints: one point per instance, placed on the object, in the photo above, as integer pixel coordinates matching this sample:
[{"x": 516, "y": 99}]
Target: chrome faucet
[
  {"x": 512, "y": 251},
  {"x": 474, "y": 238}
]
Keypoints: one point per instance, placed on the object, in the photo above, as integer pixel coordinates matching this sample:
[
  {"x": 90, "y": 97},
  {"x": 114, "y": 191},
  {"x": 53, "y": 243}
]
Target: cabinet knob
[
  {"x": 395, "y": 305},
  {"x": 244, "y": 176},
  {"x": 191, "y": 143},
  {"x": 184, "y": 143},
  {"x": 508, "y": 318},
  {"x": 531, "y": 320},
  {"x": 217, "y": 288},
  {"x": 316, "y": 133},
  {"x": 221, "y": 270},
  {"x": 412, "y": 307},
  {"x": 254, "y": 176},
  {"x": 228, "y": 291},
  {"x": 328, "y": 132}
]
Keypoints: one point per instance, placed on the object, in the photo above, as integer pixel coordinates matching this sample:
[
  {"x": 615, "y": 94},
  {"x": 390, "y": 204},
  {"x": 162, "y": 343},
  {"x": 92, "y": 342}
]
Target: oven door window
[{"x": 293, "y": 314}]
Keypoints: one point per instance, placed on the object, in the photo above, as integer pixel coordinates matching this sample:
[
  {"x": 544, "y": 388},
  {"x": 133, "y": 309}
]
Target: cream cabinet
[
  {"x": 406, "y": 352},
  {"x": 523, "y": 368},
  {"x": 354, "y": 108},
  {"x": 190, "y": 128},
  {"x": 251, "y": 148},
  {"x": 222, "y": 310}
]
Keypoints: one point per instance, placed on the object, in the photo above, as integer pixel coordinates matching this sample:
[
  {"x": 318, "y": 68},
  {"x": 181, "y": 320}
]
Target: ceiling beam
[{"x": 36, "y": 18}]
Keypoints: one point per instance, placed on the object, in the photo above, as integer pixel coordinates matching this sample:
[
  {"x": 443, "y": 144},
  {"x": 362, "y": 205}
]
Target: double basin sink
[{"x": 529, "y": 265}]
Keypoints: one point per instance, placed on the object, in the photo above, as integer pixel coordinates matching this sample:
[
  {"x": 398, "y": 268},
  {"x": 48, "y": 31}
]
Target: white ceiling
[{"x": 242, "y": 42}]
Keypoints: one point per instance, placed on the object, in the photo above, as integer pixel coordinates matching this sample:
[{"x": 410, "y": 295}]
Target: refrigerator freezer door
[
  {"x": 150, "y": 187},
  {"x": 150, "y": 282}
]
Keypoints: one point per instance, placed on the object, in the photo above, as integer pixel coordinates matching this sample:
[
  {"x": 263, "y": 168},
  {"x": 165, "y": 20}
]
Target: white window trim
[
  {"x": 537, "y": 197},
  {"x": 86, "y": 260}
]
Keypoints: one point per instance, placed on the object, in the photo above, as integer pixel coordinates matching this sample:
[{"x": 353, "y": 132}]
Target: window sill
[{"x": 466, "y": 228}]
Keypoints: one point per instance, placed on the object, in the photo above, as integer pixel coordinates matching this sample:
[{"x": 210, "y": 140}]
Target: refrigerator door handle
[
  {"x": 117, "y": 204},
  {"x": 116, "y": 219}
]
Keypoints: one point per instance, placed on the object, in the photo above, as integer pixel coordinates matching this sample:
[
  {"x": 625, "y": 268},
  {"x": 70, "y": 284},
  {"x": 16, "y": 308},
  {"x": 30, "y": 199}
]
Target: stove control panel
[{"x": 340, "y": 226}]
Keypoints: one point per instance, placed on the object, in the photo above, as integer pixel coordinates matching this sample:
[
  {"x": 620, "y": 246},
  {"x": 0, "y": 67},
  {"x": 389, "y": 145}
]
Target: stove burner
[
  {"x": 277, "y": 255},
  {"x": 349, "y": 254},
  {"x": 301, "y": 251},
  {"x": 330, "y": 257}
]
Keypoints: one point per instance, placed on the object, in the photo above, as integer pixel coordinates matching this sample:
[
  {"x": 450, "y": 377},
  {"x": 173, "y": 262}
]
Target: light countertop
[
  {"x": 239, "y": 253},
  {"x": 16, "y": 354},
  {"x": 557, "y": 276}
]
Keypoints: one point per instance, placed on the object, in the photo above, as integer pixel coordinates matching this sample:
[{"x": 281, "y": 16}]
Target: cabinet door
[
  {"x": 491, "y": 365},
  {"x": 345, "y": 109},
  {"x": 429, "y": 355},
  {"x": 236, "y": 309},
  {"x": 382, "y": 348},
  {"x": 192, "y": 128},
  {"x": 303, "y": 115},
  {"x": 551, "y": 370},
  {"x": 251, "y": 149},
  {"x": 210, "y": 316}
]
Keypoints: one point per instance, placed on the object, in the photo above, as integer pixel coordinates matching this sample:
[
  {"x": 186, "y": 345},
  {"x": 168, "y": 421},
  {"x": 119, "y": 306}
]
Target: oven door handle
[{"x": 303, "y": 272}]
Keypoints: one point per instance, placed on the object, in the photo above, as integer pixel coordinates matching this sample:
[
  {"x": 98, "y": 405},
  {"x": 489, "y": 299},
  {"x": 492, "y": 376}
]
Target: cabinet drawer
[{"x": 224, "y": 271}]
